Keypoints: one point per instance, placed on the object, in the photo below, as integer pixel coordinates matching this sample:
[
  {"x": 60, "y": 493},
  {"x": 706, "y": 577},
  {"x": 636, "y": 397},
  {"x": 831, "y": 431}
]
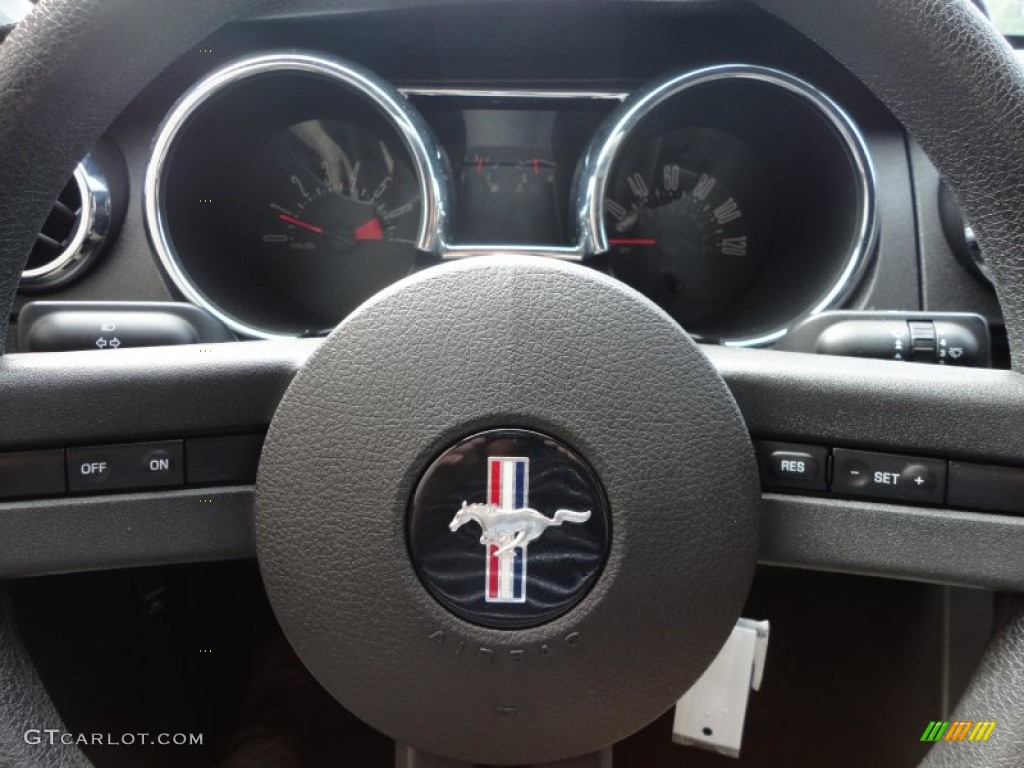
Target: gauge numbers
[{"x": 685, "y": 217}]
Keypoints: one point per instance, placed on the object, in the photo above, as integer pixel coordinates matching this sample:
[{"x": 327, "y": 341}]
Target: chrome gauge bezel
[
  {"x": 599, "y": 160},
  {"x": 429, "y": 161},
  {"x": 435, "y": 179},
  {"x": 572, "y": 252}
]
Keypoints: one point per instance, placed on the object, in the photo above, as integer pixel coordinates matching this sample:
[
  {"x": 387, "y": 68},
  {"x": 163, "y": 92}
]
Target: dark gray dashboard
[{"x": 528, "y": 47}]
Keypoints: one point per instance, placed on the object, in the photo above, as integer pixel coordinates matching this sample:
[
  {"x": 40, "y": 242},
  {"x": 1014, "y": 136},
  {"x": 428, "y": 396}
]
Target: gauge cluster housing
[
  {"x": 508, "y": 139},
  {"x": 327, "y": 182}
]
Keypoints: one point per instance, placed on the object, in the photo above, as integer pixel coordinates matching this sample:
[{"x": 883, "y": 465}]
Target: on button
[{"x": 157, "y": 461}]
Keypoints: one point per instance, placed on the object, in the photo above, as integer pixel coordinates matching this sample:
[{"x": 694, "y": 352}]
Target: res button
[{"x": 793, "y": 466}]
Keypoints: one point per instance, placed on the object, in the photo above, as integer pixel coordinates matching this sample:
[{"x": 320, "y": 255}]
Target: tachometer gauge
[
  {"x": 286, "y": 189},
  {"x": 338, "y": 211},
  {"x": 688, "y": 217}
]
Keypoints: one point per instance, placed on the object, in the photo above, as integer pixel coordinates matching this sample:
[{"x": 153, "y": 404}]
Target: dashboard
[{"x": 290, "y": 168}]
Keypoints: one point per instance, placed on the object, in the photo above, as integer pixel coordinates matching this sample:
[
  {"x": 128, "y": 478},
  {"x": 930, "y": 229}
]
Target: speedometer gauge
[
  {"x": 688, "y": 218},
  {"x": 737, "y": 197}
]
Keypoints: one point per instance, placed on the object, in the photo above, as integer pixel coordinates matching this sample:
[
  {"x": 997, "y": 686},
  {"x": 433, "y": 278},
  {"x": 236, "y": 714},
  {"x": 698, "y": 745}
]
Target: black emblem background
[{"x": 562, "y": 564}]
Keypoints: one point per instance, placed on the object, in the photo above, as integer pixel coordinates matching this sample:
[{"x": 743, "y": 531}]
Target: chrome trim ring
[
  {"x": 88, "y": 235},
  {"x": 592, "y": 182},
  {"x": 429, "y": 161},
  {"x": 453, "y": 251},
  {"x": 514, "y": 93},
  {"x": 560, "y": 252}
]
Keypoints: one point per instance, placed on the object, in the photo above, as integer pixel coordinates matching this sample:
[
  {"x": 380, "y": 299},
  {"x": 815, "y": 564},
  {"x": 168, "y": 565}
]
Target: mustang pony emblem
[
  {"x": 525, "y": 525},
  {"x": 507, "y": 527}
]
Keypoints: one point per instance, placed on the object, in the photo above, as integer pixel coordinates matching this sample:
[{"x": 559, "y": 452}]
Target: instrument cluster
[{"x": 286, "y": 188}]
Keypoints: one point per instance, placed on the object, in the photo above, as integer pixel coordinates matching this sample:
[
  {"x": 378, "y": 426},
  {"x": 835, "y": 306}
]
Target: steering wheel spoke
[
  {"x": 76, "y": 398},
  {"x": 63, "y": 400},
  {"x": 898, "y": 408},
  {"x": 880, "y": 405}
]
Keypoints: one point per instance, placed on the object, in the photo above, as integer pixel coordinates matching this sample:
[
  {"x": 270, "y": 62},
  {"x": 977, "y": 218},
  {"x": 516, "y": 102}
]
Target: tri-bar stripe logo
[
  {"x": 507, "y": 489},
  {"x": 958, "y": 730}
]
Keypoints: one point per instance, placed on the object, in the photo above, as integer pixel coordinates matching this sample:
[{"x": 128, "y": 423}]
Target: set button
[
  {"x": 888, "y": 476},
  {"x": 130, "y": 466}
]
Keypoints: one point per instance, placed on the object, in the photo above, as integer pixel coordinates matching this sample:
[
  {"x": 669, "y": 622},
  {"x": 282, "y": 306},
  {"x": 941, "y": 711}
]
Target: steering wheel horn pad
[{"x": 578, "y": 359}]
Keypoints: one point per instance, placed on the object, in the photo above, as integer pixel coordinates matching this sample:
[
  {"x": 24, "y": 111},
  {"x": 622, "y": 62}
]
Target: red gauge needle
[
  {"x": 300, "y": 223},
  {"x": 633, "y": 241},
  {"x": 370, "y": 230}
]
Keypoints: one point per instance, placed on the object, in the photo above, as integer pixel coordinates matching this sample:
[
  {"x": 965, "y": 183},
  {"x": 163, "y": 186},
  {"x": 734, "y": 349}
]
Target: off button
[
  {"x": 91, "y": 470},
  {"x": 125, "y": 467}
]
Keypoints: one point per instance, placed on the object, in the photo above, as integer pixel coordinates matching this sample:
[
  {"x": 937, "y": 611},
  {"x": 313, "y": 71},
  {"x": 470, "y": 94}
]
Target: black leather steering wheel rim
[{"x": 937, "y": 64}]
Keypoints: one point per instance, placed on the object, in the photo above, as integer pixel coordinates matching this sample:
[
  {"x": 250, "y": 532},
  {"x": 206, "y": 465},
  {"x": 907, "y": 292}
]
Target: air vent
[
  {"x": 59, "y": 230},
  {"x": 73, "y": 232}
]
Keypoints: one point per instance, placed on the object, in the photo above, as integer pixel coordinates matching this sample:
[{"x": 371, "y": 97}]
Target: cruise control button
[
  {"x": 91, "y": 470},
  {"x": 888, "y": 476},
  {"x": 919, "y": 477},
  {"x": 124, "y": 467},
  {"x": 856, "y": 474},
  {"x": 793, "y": 466},
  {"x": 157, "y": 461}
]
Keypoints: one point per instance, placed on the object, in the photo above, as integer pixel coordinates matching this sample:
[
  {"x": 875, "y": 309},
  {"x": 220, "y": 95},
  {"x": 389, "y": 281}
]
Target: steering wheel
[{"x": 546, "y": 348}]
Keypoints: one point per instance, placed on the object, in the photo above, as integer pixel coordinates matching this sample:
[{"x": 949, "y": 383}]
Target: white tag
[{"x": 711, "y": 714}]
